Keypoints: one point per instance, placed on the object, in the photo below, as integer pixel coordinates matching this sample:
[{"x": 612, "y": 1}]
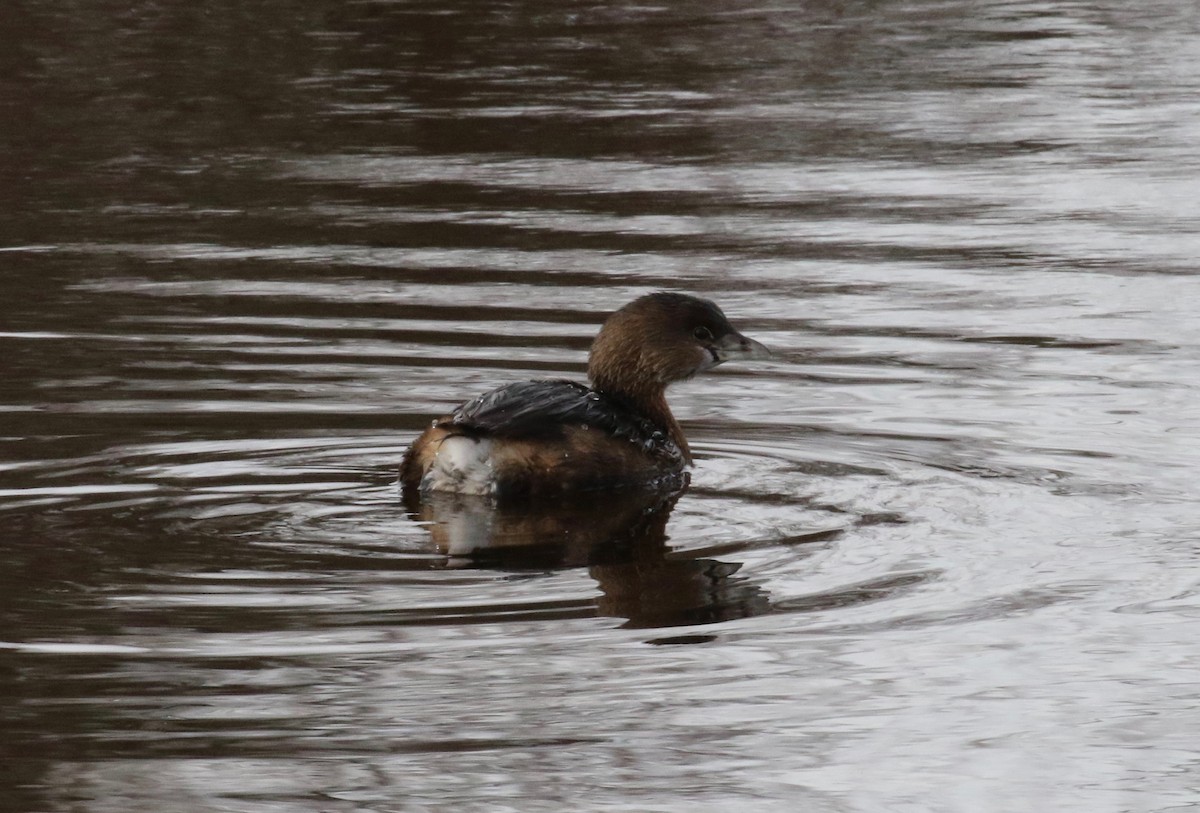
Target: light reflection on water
[{"x": 940, "y": 556}]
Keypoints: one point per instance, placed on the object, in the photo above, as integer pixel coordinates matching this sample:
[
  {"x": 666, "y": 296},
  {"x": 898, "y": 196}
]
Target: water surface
[{"x": 939, "y": 556}]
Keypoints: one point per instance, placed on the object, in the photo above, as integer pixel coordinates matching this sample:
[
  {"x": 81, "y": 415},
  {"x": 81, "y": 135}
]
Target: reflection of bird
[
  {"x": 669, "y": 592},
  {"x": 544, "y": 437},
  {"x": 622, "y": 540},
  {"x": 475, "y": 530}
]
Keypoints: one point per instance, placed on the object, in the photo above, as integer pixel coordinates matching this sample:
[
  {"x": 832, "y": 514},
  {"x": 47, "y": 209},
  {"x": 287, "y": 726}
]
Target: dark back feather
[{"x": 541, "y": 409}]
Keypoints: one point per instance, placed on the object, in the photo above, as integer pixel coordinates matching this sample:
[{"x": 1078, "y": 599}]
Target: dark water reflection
[
  {"x": 622, "y": 541},
  {"x": 941, "y": 557}
]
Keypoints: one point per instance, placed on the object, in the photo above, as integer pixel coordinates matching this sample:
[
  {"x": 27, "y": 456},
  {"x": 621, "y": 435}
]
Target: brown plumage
[{"x": 544, "y": 437}]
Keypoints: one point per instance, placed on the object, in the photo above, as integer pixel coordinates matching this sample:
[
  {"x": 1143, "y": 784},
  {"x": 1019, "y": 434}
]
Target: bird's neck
[{"x": 651, "y": 403}]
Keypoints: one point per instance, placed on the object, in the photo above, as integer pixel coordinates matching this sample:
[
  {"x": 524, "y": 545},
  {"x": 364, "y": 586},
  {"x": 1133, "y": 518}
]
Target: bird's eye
[{"x": 703, "y": 334}]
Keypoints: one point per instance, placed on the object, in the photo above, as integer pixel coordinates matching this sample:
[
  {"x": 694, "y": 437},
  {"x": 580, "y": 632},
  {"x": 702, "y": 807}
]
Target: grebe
[{"x": 548, "y": 437}]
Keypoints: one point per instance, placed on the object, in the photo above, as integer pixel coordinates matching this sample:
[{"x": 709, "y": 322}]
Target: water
[{"x": 940, "y": 556}]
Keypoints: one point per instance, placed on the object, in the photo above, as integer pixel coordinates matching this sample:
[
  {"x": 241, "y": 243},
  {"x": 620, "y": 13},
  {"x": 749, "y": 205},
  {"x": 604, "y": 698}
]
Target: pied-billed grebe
[{"x": 545, "y": 437}]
